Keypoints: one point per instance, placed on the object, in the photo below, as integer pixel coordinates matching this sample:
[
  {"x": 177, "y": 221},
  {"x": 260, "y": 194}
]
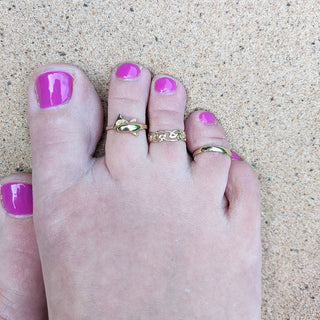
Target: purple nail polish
[
  {"x": 54, "y": 88},
  {"x": 165, "y": 85},
  {"x": 234, "y": 156},
  {"x": 17, "y": 198},
  {"x": 207, "y": 117},
  {"x": 128, "y": 71}
]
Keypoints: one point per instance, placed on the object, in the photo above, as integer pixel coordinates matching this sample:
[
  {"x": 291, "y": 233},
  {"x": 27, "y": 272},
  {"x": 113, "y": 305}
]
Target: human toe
[
  {"x": 243, "y": 194},
  {"x": 203, "y": 130},
  {"x": 166, "y": 109},
  {"x": 22, "y": 293},
  {"x": 126, "y": 144},
  {"x": 66, "y": 120}
]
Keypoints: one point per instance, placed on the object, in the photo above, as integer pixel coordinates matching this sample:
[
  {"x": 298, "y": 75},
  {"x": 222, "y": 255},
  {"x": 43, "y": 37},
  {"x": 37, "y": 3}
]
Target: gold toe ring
[
  {"x": 124, "y": 126},
  {"x": 212, "y": 149},
  {"x": 167, "y": 135}
]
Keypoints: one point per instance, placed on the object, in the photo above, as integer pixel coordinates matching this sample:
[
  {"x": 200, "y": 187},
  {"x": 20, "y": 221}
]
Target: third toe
[{"x": 166, "y": 122}]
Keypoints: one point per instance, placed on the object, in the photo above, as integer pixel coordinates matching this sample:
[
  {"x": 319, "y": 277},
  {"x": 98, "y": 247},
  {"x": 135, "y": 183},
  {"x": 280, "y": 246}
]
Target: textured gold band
[
  {"x": 211, "y": 149},
  {"x": 175, "y": 135}
]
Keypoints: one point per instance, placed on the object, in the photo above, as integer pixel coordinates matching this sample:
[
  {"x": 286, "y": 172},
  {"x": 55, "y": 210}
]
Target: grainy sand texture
[{"x": 255, "y": 64}]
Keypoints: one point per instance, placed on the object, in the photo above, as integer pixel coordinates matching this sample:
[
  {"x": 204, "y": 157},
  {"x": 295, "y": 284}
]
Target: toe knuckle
[
  {"x": 166, "y": 117},
  {"x": 133, "y": 102}
]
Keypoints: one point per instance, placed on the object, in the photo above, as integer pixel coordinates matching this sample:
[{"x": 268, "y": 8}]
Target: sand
[{"x": 255, "y": 64}]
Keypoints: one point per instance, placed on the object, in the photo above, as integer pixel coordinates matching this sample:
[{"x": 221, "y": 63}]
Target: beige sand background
[{"x": 255, "y": 64}]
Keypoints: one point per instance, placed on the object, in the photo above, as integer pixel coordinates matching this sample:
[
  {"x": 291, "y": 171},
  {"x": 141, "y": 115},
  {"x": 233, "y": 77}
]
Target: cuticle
[
  {"x": 166, "y": 93},
  {"x": 22, "y": 216}
]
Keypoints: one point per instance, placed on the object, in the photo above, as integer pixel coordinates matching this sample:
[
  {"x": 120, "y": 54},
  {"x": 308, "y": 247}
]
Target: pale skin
[{"x": 145, "y": 232}]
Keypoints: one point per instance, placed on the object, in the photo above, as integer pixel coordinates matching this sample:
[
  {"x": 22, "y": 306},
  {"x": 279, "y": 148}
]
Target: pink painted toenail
[
  {"x": 54, "y": 88},
  {"x": 207, "y": 117},
  {"x": 234, "y": 156},
  {"x": 165, "y": 85},
  {"x": 17, "y": 198},
  {"x": 128, "y": 71}
]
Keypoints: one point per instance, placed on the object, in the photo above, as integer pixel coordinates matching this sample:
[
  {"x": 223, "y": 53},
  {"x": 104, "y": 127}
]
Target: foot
[
  {"x": 145, "y": 232},
  {"x": 21, "y": 285}
]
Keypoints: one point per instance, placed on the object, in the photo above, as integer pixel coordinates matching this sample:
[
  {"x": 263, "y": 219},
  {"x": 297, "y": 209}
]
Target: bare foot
[
  {"x": 146, "y": 232},
  {"x": 22, "y": 293}
]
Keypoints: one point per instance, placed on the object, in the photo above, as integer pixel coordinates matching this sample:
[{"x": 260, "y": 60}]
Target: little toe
[
  {"x": 166, "y": 108},
  {"x": 243, "y": 195},
  {"x": 202, "y": 129},
  {"x": 243, "y": 213},
  {"x": 128, "y": 97},
  {"x": 66, "y": 120},
  {"x": 22, "y": 294}
]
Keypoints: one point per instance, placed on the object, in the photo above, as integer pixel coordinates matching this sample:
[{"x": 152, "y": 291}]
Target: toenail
[
  {"x": 165, "y": 85},
  {"x": 234, "y": 156},
  {"x": 207, "y": 117},
  {"x": 17, "y": 198},
  {"x": 128, "y": 71},
  {"x": 54, "y": 88}
]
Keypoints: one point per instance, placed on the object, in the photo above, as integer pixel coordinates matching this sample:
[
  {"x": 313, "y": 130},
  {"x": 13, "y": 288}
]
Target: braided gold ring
[{"x": 167, "y": 135}]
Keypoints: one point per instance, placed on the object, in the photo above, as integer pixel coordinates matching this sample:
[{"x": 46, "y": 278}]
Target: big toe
[
  {"x": 22, "y": 293},
  {"x": 66, "y": 121}
]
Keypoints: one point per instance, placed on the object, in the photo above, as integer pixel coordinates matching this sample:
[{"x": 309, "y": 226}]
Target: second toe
[{"x": 128, "y": 97}]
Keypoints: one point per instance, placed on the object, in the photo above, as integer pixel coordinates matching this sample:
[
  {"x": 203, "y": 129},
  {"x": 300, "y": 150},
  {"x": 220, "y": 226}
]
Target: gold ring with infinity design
[
  {"x": 167, "y": 135},
  {"x": 124, "y": 126},
  {"x": 212, "y": 149}
]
